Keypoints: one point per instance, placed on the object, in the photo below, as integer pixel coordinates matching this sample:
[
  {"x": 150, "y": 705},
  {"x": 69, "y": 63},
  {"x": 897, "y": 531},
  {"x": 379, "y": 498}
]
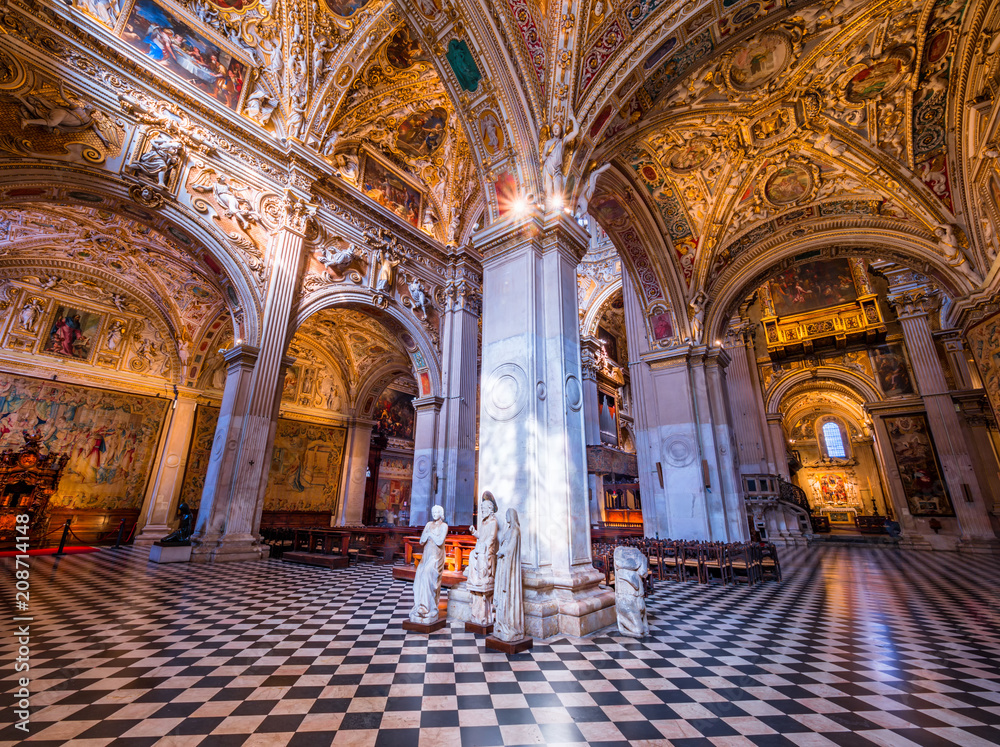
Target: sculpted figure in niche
[
  {"x": 418, "y": 296},
  {"x": 159, "y": 162},
  {"x": 509, "y": 592},
  {"x": 29, "y": 314},
  {"x": 337, "y": 259},
  {"x": 631, "y": 567},
  {"x": 427, "y": 580},
  {"x": 583, "y": 204},
  {"x": 231, "y": 200},
  {"x": 386, "y": 272},
  {"x": 73, "y": 116},
  {"x": 553, "y": 152},
  {"x": 115, "y": 333},
  {"x": 482, "y": 566}
]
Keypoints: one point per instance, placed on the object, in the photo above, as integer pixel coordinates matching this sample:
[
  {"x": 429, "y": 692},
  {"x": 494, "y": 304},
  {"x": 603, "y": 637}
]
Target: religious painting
[
  {"x": 395, "y": 414},
  {"x": 391, "y": 191},
  {"x": 692, "y": 155},
  {"x": 663, "y": 326},
  {"x": 813, "y": 286},
  {"x": 610, "y": 213},
  {"x": 422, "y": 133},
  {"x": 833, "y": 489},
  {"x": 610, "y": 343},
  {"x": 429, "y": 8},
  {"x": 291, "y": 383},
  {"x": 305, "y": 467},
  {"x": 984, "y": 341},
  {"x": 73, "y": 333},
  {"x": 919, "y": 471},
  {"x": 790, "y": 183},
  {"x": 659, "y": 53},
  {"x": 890, "y": 370},
  {"x": 110, "y": 438},
  {"x": 600, "y": 121},
  {"x": 876, "y": 79},
  {"x": 491, "y": 132},
  {"x": 206, "y": 418},
  {"x": 105, "y": 11},
  {"x": 425, "y": 383},
  {"x": 463, "y": 64},
  {"x": 505, "y": 188},
  {"x": 404, "y": 51},
  {"x": 170, "y": 42},
  {"x": 345, "y": 8},
  {"x": 392, "y": 498},
  {"x": 759, "y": 60},
  {"x": 937, "y": 47}
]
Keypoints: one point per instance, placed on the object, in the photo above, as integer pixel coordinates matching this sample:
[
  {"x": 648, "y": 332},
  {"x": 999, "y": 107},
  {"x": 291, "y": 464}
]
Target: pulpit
[{"x": 28, "y": 479}]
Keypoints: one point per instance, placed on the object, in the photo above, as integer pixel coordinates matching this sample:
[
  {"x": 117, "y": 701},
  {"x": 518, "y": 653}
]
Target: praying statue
[
  {"x": 553, "y": 152},
  {"x": 427, "y": 581},
  {"x": 482, "y": 566},
  {"x": 508, "y": 592},
  {"x": 631, "y": 567}
]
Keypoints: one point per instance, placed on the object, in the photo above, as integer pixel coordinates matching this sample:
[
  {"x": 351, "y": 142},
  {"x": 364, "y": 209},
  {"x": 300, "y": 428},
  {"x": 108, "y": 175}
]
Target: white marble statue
[
  {"x": 481, "y": 571},
  {"x": 418, "y": 295},
  {"x": 158, "y": 163},
  {"x": 115, "y": 334},
  {"x": 30, "y": 313},
  {"x": 631, "y": 567},
  {"x": 697, "y": 306},
  {"x": 231, "y": 201},
  {"x": 583, "y": 203},
  {"x": 553, "y": 151},
  {"x": 386, "y": 272},
  {"x": 508, "y": 594},
  {"x": 337, "y": 259},
  {"x": 427, "y": 580}
]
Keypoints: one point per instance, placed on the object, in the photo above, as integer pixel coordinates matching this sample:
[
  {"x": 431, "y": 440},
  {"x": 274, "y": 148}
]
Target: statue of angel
[
  {"x": 260, "y": 106},
  {"x": 230, "y": 200},
  {"x": 553, "y": 157},
  {"x": 72, "y": 116},
  {"x": 583, "y": 203},
  {"x": 337, "y": 260},
  {"x": 159, "y": 162},
  {"x": 418, "y": 295}
]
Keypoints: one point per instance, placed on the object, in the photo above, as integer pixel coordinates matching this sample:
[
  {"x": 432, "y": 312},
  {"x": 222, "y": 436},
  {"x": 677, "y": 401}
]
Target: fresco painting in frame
[
  {"x": 919, "y": 470},
  {"x": 73, "y": 333},
  {"x": 172, "y": 43},
  {"x": 422, "y": 133},
  {"x": 395, "y": 414},
  {"x": 813, "y": 286},
  {"x": 759, "y": 61},
  {"x": 391, "y": 191},
  {"x": 305, "y": 467},
  {"x": 392, "y": 494},
  {"x": 984, "y": 341},
  {"x": 345, "y": 8},
  {"x": 109, "y": 437},
  {"x": 890, "y": 369},
  {"x": 404, "y": 51},
  {"x": 833, "y": 488}
]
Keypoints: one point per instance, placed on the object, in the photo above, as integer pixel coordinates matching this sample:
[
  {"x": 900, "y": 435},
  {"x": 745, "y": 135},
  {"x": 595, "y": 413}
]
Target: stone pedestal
[
  {"x": 159, "y": 553},
  {"x": 509, "y": 647},
  {"x": 532, "y": 453},
  {"x": 425, "y": 628},
  {"x": 471, "y": 627}
]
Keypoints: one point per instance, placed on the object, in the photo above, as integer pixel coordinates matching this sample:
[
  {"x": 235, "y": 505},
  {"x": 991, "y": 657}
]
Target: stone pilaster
[
  {"x": 589, "y": 346},
  {"x": 532, "y": 453},
  {"x": 912, "y": 309},
  {"x": 355, "y": 474},
  {"x": 455, "y": 462},
  {"x": 428, "y": 415},
  {"x": 160, "y": 504},
  {"x": 755, "y": 454},
  {"x": 720, "y": 445},
  {"x": 240, "y": 539}
]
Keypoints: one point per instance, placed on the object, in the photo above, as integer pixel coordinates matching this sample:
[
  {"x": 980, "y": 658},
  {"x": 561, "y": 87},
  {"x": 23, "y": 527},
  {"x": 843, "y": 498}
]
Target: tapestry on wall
[
  {"x": 305, "y": 467},
  {"x": 109, "y": 437},
  {"x": 205, "y": 420},
  {"x": 919, "y": 471},
  {"x": 984, "y": 340}
]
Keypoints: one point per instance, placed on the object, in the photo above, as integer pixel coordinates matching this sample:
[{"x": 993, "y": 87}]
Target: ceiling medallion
[
  {"x": 790, "y": 183},
  {"x": 759, "y": 61},
  {"x": 875, "y": 79},
  {"x": 690, "y": 156}
]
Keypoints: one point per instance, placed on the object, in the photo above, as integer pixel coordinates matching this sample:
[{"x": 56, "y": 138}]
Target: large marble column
[
  {"x": 532, "y": 446},
  {"x": 425, "y": 429},
  {"x": 239, "y": 538},
  {"x": 755, "y": 452},
  {"x": 589, "y": 346},
  {"x": 455, "y": 462},
  {"x": 160, "y": 503},
  {"x": 912, "y": 309},
  {"x": 721, "y": 446},
  {"x": 355, "y": 473}
]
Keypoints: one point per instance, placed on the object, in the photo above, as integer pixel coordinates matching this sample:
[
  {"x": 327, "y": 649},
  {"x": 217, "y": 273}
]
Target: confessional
[{"x": 27, "y": 481}]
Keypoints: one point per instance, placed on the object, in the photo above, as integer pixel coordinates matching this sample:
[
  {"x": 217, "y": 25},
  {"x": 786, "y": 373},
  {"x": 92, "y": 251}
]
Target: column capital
[
  {"x": 718, "y": 357},
  {"x": 243, "y": 354},
  {"x": 548, "y": 231},
  {"x": 296, "y": 214},
  {"x": 952, "y": 339},
  {"x": 916, "y": 302},
  {"x": 590, "y": 350},
  {"x": 429, "y": 402},
  {"x": 741, "y": 333}
]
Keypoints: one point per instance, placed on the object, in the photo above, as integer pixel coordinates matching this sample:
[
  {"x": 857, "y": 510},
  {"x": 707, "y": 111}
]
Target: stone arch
[
  {"x": 856, "y": 385},
  {"x": 745, "y": 275},
  {"x": 594, "y": 313},
  {"x": 424, "y": 348},
  {"x": 92, "y": 189},
  {"x": 374, "y": 384}
]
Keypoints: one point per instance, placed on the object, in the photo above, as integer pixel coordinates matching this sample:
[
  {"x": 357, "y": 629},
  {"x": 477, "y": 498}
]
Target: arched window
[{"x": 833, "y": 440}]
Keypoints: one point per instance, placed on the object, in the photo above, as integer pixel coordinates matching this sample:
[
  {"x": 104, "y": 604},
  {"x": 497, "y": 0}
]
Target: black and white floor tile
[{"x": 855, "y": 647}]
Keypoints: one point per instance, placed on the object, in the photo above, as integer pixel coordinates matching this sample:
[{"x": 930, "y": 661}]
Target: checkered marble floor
[{"x": 856, "y": 646}]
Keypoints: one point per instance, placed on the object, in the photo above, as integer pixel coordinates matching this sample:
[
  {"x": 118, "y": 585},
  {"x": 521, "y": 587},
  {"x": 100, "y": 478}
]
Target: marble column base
[
  {"x": 150, "y": 534},
  {"x": 982, "y": 545},
  {"x": 229, "y": 549},
  {"x": 577, "y": 608},
  {"x": 915, "y": 542}
]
